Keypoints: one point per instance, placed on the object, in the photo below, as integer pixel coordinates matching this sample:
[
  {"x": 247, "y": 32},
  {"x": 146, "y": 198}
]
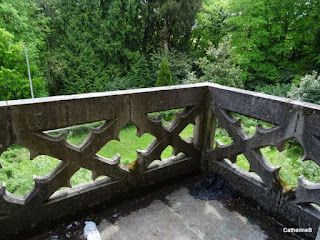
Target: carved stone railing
[
  {"x": 291, "y": 120},
  {"x": 24, "y": 122}
]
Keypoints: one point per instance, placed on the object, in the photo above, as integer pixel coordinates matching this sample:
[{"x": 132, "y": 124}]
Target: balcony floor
[{"x": 171, "y": 213}]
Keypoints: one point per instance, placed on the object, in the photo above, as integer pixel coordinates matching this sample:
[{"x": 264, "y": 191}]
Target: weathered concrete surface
[
  {"x": 181, "y": 217},
  {"x": 169, "y": 212}
]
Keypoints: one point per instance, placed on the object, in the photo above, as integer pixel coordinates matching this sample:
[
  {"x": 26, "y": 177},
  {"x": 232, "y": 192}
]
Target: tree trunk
[{"x": 166, "y": 36}]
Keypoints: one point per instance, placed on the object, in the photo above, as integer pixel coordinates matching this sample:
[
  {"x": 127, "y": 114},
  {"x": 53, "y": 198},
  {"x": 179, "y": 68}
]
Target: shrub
[
  {"x": 308, "y": 89},
  {"x": 219, "y": 66},
  {"x": 180, "y": 64},
  {"x": 279, "y": 89},
  {"x": 164, "y": 75}
]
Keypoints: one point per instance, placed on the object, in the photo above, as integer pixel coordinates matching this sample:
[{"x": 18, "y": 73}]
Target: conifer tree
[
  {"x": 169, "y": 23},
  {"x": 164, "y": 76},
  {"x": 95, "y": 43}
]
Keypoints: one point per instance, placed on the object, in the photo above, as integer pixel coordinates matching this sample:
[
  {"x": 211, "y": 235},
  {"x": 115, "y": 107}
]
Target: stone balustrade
[{"x": 25, "y": 122}]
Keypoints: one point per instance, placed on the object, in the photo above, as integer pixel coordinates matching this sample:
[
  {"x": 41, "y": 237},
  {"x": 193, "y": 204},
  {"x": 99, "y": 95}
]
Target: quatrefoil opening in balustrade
[
  {"x": 82, "y": 176},
  {"x": 76, "y": 135},
  {"x": 125, "y": 148},
  {"x": 18, "y": 170},
  {"x": 292, "y": 163},
  {"x": 242, "y": 162},
  {"x": 170, "y": 152},
  {"x": 246, "y": 127},
  {"x": 221, "y": 137},
  {"x": 167, "y": 117},
  {"x": 246, "y": 135},
  {"x": 168, "y": 127},
  {"x": 170, "y": 117},
  {"x": 250, "y": 125},
  {"x": 180, "y": 120},
  {"x": 187, "y": 133}
]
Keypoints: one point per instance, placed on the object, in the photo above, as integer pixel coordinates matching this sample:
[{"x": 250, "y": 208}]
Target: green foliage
[
  {"x": 166, "y": 116},
  {"x": 19, "y": 22},
  {"x": 14, "y": 83},
  {"x": 87, "y": 46},
  {"x": 252, "y": 38},
  {"x": 18, "y": 170},
  {"x": 272, "y": 36},
  {"x": 274, "y": 40},
  {"x": 308, "y": 90},
  {"x": 169, "y": 23},
  {"x": 219, "y": 66},
  {"x": 140, "y": 75},
  {"x": 211, "y": 26},
  {"x": 79, "y": 66},
  {"x": 95, "y": 46},
  {"x": 99, "y": 46},
  {"x": 164, "y": 75},
  {"x": 279, "y": 89},
  {"x": 180, "y": 64}
]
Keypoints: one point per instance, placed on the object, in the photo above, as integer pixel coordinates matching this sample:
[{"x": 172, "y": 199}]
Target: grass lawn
[{"x": 18, "y": 170}]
